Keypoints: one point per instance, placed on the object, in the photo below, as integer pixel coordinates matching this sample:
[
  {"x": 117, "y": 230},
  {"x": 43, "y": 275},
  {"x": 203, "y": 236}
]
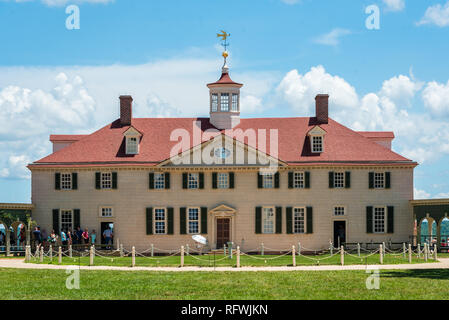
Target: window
[
  {"x": 379, "y": 180},
  {"x": 159, "y": 181},
  {"x": 131, "y": 145},
  {"x": 223, "y": 180},
  {"x": 66, "y": 181},
  {"x": 193, "y": 182},
  {"x": 339, "y": 211},
  {"x": 317, "y": 144},
  {"x": 379, "y": 220},
  {"x": 298, "y": 220},
  {"x": 106, "y": 180},
  {"x": 66, "y": 220},
  {"x": 224, "y": 102},
  {"x": 235, "y": 102},
  {"x": 268, "y": 181},
  {"x": 268, "y": 220},
  {"x": 339, "y": 179},
  {"x": 214, "y": 102},
  {"x": 193, "y": 218},
  {"x": 159, "y": 221},
  {"x": 106, "y": 212},
  {"x": 298, "y": 180}
]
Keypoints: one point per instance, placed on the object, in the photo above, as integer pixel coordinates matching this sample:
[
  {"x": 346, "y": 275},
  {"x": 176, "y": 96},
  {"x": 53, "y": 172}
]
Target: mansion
[{"x": 277, "y": 181}]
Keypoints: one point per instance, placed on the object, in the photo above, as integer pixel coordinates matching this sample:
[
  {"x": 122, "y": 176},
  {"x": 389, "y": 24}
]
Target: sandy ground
[{"x": 20, "y": 264}]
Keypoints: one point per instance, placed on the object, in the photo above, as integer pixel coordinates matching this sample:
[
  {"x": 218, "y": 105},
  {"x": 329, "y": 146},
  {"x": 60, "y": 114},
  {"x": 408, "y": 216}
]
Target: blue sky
[{"x": 55, "y": 80}]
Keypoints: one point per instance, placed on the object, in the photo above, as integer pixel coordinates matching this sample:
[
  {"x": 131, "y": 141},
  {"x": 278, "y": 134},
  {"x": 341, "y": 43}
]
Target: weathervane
[{"x": 224, "y": 42}]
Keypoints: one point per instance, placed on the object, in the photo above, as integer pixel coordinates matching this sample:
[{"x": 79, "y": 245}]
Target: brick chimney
[
  {"x": 126, "y": 103},
  {"x": 322, "y": 108}
]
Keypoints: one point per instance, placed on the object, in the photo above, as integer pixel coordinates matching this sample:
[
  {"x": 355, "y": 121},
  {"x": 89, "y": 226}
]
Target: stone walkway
[{"x": 20, "y": 264}]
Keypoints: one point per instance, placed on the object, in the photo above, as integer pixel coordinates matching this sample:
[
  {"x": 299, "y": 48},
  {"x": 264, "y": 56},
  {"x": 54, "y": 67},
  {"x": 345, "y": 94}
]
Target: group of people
[
  {"x": 69, "y": 237},
  {"x": 15, "y": 241}
]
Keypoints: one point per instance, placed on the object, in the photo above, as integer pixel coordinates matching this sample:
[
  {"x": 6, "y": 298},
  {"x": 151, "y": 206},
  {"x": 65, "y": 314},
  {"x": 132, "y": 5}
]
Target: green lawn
[
  {"x": 208, "y": 260},
  {"x": 20, "y": 284}
]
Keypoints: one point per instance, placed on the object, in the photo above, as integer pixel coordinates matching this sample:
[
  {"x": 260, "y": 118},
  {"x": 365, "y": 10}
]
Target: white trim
[
  {"x": 303, "y": 179},
  {"x": 60, "y": 219},
  {"x": 339, "y": 206},
  {"x": 263, "y": 219},
  {"x": 100, "y": 211},
  {"x": 385, "y": 219},
  {"x": 188, "y": 220},
  {"x": 305, "y": 219},
  {"x": 384, "y": 179},
  {"x": 165, "y": 220}
]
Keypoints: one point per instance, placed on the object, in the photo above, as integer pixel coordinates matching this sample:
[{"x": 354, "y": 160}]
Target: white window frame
[
  {"x": 214, "y": 102},
  {"x": 131, "y": 147},
  {"x": 297, "y": 180},
  {"x": 339, "y": 208},
  {"x": 224, "y": 94},
  {"x": 192, "y": 179},
  {"x": 159, "y": 184},
  {"x": 224, "y": 182},
  {"x": 384, "y": 219},
  {"x": 235, "y": 102},
  {"x": 266, "y": 219},
  {"x": 268, "y": 181},
  {"x": 106, "y": 216},
  {"x": 304, "y": 220},
  {"x": 66, "y": 181},
  {"x": 382, "y": 185},
  {"x": 105, "y": 179},
  {"x": 61, "y": 223},
  {"x": 342, "y": 180},
  {"x": 198, "y": 220},
  {"x": 317, "y": 147},
  {"x": 155, "y": 221}
]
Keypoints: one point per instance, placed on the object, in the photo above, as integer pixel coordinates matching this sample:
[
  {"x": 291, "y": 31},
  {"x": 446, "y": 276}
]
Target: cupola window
[
  {"x": 235, "y": 102},
  {"x": 224, "y": 102},
  {"x": 214, "y": 102}
]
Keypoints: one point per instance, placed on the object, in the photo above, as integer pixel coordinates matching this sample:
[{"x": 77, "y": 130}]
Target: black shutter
[
  {"x": 387, "y": 180},
  {"x": 201, "y": 176},
  {"x": 169, "y": 220},
  {"x": 214, "y": 180},
  {"x": 290, "y": 180},
  {"x": 184, "y": 180},
  {"x": 258, "y": 220},
  {"x": 167, "y": 180},
  {"x": 289, "y": 219},
  {"x": 231, "y": 180},
  {"x": 309, "y": 214},
  {"x": 114, "y": 180},
  {"x": 55, "y": 221},
  {"x": 371, "y": 180},
  {"x": 278, "y": 219},
  {"x": 97, "y": 180},
  {"x": 276, "y": 180},
  {"x": 331, "y": 179},
  {"x": 151, "y": 180},
  {"x": 307, "y": 179},
  {"x": 347, "y": 179},
  {"x": 57, "y": 181},
  {"x": 182, "y": 220},
  {"x": 369, "y": 219},
  {"x": 204, "y": 220},
  {"x": 259, "y": 180},
  {"x": 74, "y": 181},
  {"x": 149, "y": 220},
  {"x": 390, "y": 220},
  {"x": 77, "y": 218}
]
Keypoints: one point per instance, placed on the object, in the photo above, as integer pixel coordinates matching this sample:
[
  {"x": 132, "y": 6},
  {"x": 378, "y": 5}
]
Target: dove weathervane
[{"x": 224, "y": 42}]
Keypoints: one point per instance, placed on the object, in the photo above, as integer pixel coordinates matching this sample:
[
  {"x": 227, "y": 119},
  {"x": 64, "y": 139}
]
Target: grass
[
  {"x": 18, "y": 284},
  {"x": 208, "y": 260}
]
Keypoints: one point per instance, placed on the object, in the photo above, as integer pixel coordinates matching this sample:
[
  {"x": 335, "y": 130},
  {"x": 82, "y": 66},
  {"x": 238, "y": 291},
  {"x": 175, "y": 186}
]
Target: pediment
[
  {"x": 222, "y": 208},
  {"x": 316, "y": 131},
  {"x": 132, "y": 132}
]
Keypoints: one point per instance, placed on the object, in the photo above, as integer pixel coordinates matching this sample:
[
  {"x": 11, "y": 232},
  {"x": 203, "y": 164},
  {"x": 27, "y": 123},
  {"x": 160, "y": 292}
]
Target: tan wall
[{"x": 133, "y": 196}]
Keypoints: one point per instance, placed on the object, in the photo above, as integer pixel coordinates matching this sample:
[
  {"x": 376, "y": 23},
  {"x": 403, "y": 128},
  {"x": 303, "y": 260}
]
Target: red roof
[
  {"x": 225, "y": 79},
  {"x": 107, "y": 145},
  {"x": 66, "y": 137},
  {"x": 377, "y": 134}
]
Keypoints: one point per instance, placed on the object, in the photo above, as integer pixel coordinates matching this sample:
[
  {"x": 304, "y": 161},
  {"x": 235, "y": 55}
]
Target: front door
[
  {"x": 223, "y": 231},
  {"x": 339, "y": 233}
]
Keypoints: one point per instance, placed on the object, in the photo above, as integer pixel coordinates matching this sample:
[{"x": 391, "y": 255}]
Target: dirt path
[{"x": 20, "y": 264}]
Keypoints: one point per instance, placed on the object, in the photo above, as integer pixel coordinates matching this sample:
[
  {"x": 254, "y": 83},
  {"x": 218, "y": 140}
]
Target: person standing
[
  {"x": 63, "y": 238},
  {"x": 37, "y": 236},
  {"x": 85, "y": 236},
  {"x": 107, "y": 235},
  {"x": 93, "y": 237}
]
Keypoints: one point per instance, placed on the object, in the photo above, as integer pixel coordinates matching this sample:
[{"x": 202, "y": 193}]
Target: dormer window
[
  {"x": 131, "y": 145},
  {"x": 316, "y": 137},
  {"x": 224, "y": 103},
  {"x": 214, "y": 98},
  {"x": 317, "y": 144}
]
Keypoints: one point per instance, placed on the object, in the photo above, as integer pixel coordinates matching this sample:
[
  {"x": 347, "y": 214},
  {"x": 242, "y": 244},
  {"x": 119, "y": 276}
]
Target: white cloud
[
  {"x": 420, "y": 194},
  {"x": 58, "y": 3},
  {"x": 442, "y": 195},
  {"x": 333, "y": 37},
  {"x": 436, "y": 98},
  {"x": 394, "y": 5},
  {"x": 437, "y": 15},
  {"x": 400, "y": 89}
]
